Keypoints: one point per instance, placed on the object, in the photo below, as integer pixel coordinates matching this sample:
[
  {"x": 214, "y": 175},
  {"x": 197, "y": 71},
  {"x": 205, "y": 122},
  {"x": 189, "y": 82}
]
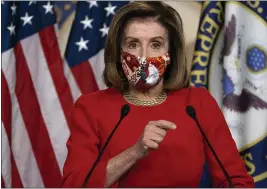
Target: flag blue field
[{"x": 230, "y": 60}]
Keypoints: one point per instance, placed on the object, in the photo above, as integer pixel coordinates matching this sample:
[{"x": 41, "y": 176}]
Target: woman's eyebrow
[
  {"x": 130, "y": 38},
  {"x": 158, "y": 37}
]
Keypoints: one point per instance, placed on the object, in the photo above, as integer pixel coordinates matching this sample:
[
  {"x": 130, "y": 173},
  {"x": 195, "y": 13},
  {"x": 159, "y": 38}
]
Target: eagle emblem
[{"x": 243, "y": 69}]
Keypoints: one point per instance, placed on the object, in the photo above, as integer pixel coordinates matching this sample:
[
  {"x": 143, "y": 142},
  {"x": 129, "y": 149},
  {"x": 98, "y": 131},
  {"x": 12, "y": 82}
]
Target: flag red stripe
[
  {"x": 2, "y": 182},
  {"x": 84, "y": 77},
  {"x": 6, "y": 116},
  {"x": 16, "y": 181},
  {"x": 55, "y": 65},
  {"x": 34, "y": 122},
  {"x": 6, "y": 112}
]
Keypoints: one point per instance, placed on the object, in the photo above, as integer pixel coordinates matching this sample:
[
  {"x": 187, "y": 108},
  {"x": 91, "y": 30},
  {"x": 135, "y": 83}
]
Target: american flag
[
  {"x": 85, "y": 49},
  {"x": 36, "y": 98},
  {"x": 39, "y": 86}
]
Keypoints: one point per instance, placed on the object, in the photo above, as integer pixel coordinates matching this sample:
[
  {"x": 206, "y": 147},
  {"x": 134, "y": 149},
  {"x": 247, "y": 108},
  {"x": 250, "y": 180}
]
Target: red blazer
[{"x": 179, "y": 160}]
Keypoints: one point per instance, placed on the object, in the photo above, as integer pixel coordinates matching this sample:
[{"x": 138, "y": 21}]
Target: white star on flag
[
  {"x": 110, "y": 9},
  {"x": 104, "y": 30},
  {"x": 87, "y": 23},
  {"x": 48, "y": 8},
  {"x": 82, "y": 44},
  {"x": 93, "y": 3},
  {"x": 13, "y": 8},
  {"x": 27, "y": 19},
  {"x": 11, "y": 29}
]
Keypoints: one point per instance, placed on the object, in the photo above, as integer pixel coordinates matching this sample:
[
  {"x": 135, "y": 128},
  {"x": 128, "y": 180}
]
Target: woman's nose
[{"x": 144, "y": 52}]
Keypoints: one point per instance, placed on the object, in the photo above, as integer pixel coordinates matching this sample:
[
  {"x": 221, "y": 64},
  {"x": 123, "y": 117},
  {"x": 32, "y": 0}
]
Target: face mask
[{"x": 144, "y": 73}]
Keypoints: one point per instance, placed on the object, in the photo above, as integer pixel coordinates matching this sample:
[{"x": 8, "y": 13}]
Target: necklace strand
[{"x": 158, "y": 100}]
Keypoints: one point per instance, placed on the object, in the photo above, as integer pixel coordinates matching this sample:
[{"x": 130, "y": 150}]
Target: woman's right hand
[{"x": 153, "y": 134}]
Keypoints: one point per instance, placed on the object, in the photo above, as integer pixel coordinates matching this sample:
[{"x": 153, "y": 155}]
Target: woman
[{"x": 157, "y": 144}]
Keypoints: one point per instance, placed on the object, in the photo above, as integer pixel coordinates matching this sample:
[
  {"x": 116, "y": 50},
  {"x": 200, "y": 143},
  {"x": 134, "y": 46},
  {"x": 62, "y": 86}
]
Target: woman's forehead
[{"x": 144, "y": 27}]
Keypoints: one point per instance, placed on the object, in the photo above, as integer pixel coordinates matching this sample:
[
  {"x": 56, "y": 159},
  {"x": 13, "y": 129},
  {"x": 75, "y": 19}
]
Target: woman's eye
[
  {"x": 156, "y": 45},
  {"x": 132, "y": 45}
]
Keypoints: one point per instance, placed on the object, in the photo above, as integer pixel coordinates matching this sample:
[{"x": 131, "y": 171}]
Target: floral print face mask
[{"x": 144, "y": 73}]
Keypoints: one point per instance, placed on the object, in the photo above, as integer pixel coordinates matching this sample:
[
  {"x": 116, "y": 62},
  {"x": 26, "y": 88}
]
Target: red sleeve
[
  {"x": 83, "y": 148},
  {"x": 219, "y": 135}
]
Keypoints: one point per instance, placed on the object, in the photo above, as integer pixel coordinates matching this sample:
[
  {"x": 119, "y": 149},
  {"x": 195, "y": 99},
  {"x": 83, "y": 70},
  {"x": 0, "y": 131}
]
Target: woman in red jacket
[{"x": 157, "y": 144}]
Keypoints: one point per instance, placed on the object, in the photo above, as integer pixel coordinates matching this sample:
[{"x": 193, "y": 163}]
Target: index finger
[{"x": 163, "y": 124}]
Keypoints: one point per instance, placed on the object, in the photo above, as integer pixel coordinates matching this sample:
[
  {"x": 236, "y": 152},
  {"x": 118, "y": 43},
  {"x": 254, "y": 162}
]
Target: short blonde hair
[{"x": 176, "y": 75}]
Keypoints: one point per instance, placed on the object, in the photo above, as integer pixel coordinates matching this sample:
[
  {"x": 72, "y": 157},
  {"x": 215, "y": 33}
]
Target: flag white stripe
[
  {"x": 20, "y": 144},
  {"x": 50, "y": 106},
  {"x": 75, "y": 91},
  {"x": 6, "y": 158},
  {"x": 97, "y": 65},
  {"x": 74, "y": 88}
]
